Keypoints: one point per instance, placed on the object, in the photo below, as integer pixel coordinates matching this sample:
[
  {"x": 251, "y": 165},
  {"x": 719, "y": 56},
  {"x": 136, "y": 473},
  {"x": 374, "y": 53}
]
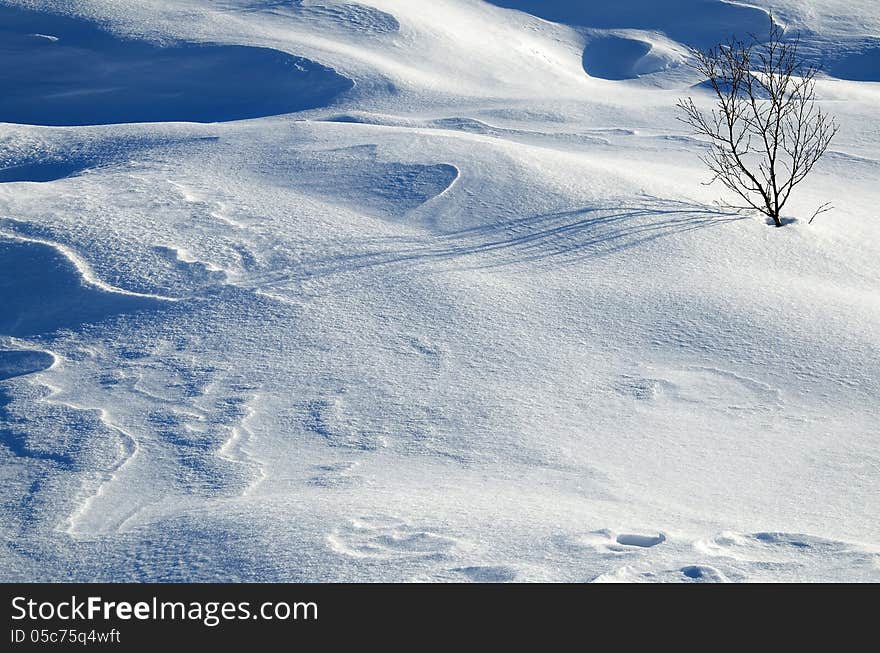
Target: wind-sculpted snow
[
  {"x": 57, "y": 70},
  {"x": 477, "y": 321},
  {"x": 42, "y": 160},
  {"x": 331, "y": 15},
  {"x": 48, "y": 169},
  {"x": 358, "y": 177}
]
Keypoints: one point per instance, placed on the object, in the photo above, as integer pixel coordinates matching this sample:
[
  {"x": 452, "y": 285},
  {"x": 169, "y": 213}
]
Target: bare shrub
[{"x": 766, "y": 130}]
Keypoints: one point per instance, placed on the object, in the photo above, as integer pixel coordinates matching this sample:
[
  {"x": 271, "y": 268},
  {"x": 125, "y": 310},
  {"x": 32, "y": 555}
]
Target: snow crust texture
[{"x": 395, "y": 290}]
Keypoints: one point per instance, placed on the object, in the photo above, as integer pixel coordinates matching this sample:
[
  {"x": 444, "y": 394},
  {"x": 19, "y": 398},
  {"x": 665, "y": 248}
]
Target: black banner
[{"x": 148, "y": 616}]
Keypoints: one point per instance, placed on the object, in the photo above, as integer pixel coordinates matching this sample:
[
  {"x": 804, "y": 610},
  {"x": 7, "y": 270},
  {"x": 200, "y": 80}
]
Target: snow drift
[{"x": 63, "y": 71}]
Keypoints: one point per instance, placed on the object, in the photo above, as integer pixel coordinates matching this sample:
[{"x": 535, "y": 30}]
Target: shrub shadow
[{"x": 549, "y": 239}]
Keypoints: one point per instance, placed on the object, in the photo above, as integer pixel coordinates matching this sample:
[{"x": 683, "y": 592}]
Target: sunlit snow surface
[{"x": 424, "y": 291}]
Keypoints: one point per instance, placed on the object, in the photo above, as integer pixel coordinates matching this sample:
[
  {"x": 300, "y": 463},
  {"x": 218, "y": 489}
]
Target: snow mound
[
  {"x": 618, "y": 57},
  {"x": 86, "y": 76},
  {"x": 357, "y": 177},
  {"x": 762, "y": 554}
]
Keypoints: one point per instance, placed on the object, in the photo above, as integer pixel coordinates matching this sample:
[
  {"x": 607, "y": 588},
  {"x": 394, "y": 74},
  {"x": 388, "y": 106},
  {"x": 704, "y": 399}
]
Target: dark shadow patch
[
  {"x": 42, "y": 291},
  {"x": 786, "y": 539},
  {"x": 348, "y": 119},
  {"x": 46, "y": 170},
  {"x": 784, "y": 221},
  {"x": 700, "y": 23},
  {"x": 614, "y": 57},
  {"x": 725, "y": 87},
  {"x": 18, "y": 362},
  {"x": 861, "y": 66},
  {"x": 56, "y": 70},
  {"x": 693, "y": 572}
]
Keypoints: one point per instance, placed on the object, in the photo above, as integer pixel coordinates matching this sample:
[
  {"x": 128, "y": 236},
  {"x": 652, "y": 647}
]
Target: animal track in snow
[
  {"x": 768, "y": 556},
  {"x": 388, "y": 538},
  {"x": 746, "y": 546},
  {"x": 610, "y": 542},
  {"x": 642, "y": 388},
  {"x": 709, "y": 386},
  {"x": 641, "y": 573},
  {"x": 703, "y": 574},
  {"x": 643, "y": 541},
  {"x": 424, "y": 346}
]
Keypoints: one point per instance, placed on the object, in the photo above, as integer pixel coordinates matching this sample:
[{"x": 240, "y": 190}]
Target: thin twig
[{"x": 822, "y": 209}]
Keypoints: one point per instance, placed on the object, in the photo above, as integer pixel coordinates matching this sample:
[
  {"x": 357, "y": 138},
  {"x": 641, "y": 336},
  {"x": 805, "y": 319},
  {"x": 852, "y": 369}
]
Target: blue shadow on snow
[{"x": 58, "y": 70}]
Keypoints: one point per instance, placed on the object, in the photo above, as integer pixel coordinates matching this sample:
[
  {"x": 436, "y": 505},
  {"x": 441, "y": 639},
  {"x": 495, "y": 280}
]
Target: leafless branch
[{"x": 822, "y": 209}]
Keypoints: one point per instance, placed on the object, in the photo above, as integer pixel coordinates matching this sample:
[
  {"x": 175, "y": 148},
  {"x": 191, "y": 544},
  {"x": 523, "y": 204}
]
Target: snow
[{"x": 424, "y": 291}]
